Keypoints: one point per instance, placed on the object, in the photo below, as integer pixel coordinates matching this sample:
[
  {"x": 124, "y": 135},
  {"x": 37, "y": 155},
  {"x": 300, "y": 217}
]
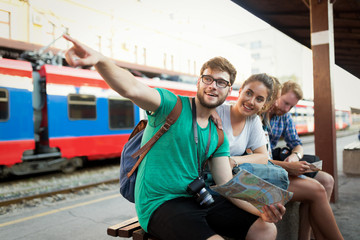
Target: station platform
[{"x": 88, "y": 216}]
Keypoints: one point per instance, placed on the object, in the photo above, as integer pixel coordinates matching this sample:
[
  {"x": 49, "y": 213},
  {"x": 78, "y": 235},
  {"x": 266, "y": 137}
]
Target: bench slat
[
  {"x": 128, "y": 230},
  {"x": 113, "y": 230},
  {"x": 142, "y": 235},
  {"x": 139, "y": 235}
]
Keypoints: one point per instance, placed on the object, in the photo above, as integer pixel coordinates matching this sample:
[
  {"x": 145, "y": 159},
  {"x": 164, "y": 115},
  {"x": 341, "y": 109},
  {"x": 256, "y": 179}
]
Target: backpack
[{"x": 130, "y": 160}]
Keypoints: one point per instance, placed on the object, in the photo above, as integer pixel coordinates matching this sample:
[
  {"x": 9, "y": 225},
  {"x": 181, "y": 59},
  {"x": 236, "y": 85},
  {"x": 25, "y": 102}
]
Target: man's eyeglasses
[{"x": 221, "y": 83}]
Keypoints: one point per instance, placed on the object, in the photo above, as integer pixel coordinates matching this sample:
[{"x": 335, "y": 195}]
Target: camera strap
[{"x": 196, "y": 138}]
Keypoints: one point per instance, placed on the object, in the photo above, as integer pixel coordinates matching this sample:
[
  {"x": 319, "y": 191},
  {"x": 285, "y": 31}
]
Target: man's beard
[
  {"x": 278, "y": 112},
  {"x": 208, "y": 105}
]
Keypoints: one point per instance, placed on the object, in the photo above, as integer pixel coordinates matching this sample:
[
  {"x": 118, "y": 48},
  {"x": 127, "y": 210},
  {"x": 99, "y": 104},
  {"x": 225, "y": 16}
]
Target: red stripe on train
[
  {"x": 12, "y": 151},
  {"x": 15, "y": 68},
  {"x": 94, "y": 147}
]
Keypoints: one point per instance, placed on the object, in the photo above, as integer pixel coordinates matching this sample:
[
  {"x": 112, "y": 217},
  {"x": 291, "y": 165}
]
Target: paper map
[
  {"x": 315, "y": 166},
  {"x": 251, "y": 188}
]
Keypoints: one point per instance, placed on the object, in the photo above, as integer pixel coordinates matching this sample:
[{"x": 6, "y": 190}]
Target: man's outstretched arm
[{"x": 119, "y": 79}]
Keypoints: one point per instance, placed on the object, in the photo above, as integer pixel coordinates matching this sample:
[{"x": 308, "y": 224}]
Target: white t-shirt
[{"x": 252, "y": 136}]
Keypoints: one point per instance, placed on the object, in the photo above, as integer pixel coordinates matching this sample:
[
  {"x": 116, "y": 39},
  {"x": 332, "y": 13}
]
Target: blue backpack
[{"x": 130, "y": 160}]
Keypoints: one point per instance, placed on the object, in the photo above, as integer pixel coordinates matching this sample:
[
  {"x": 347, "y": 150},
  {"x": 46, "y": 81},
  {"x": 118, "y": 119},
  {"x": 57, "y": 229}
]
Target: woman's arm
[{"x": 259, "y": 156}]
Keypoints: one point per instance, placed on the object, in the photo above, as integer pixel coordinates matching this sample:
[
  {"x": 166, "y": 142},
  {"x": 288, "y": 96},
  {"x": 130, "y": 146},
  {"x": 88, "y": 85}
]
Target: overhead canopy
[{"x": 292, "y": 17}]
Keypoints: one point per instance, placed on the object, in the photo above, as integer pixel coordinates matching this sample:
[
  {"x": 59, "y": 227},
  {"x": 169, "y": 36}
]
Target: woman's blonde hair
[{"x": 274, "y": 95}]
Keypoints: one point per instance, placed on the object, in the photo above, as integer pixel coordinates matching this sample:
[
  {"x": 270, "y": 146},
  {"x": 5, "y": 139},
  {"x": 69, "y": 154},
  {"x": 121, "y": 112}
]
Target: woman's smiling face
[{"x": 252, "y": 98}]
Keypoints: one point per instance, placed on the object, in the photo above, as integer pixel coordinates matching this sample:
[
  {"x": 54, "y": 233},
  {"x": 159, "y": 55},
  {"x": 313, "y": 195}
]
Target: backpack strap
[
  {"x": 220, "y": 133},
  {"x": 170, "y": 120}
]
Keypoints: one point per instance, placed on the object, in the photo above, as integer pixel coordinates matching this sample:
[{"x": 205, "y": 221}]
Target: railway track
[
  {"x": 50, "y": 193},
  {"x": 20, "y": 192}
]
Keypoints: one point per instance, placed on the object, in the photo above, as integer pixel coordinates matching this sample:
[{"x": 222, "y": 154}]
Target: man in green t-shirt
[{"x": 164, "y": 206}]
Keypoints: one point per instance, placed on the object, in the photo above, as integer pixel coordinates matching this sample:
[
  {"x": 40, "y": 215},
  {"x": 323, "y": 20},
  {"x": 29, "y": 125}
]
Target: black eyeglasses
[{"x": 221, "y": 83}]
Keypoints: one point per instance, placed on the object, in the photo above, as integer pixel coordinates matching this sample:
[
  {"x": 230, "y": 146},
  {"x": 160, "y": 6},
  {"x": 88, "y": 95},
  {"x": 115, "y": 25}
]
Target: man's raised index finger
[{"x": 67, "y": 37}]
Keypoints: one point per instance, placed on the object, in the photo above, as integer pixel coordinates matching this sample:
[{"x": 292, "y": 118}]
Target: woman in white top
[
  {"x": 244, "y": 130},
  {"x": 241, "y": 123}
]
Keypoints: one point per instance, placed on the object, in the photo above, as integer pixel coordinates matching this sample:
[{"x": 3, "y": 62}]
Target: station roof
[{"x": 292, "y": 17}]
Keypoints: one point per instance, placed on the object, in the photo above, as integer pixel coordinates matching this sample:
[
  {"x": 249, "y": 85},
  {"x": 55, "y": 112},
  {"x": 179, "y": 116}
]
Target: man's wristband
[{"x": 298, "y": 155}]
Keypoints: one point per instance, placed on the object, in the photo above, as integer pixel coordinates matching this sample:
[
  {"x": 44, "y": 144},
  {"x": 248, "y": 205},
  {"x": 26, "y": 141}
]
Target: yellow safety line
[{"x": 57, "y": 210}]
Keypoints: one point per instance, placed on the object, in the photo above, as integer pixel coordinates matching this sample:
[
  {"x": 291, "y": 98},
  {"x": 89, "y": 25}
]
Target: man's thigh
[
  {"x": 228, "y": 220},
  {"x": 180, "y": 218},
  {"x": 183, "y": 218}
]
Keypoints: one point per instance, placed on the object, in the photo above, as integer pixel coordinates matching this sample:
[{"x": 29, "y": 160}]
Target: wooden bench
[
  {"x": 351, "y": 158},
  {"x": 129, "y": 228},
  {"x": 287, "y": 228}
]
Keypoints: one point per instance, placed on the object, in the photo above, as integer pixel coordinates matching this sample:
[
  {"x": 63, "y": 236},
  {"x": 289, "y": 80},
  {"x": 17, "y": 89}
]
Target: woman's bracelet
[{"x": 234, "y": 162}]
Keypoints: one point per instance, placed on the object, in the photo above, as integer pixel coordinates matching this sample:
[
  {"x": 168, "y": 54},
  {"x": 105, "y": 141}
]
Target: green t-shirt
[{"x": 171, "y": 164}]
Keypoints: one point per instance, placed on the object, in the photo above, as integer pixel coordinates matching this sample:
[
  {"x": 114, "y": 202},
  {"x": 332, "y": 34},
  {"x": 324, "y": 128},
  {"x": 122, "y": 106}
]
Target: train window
[
  {"x": 121, "y": 114},
  {"x": 4, "y": 104},
  {"x": 82, "y": 106}
]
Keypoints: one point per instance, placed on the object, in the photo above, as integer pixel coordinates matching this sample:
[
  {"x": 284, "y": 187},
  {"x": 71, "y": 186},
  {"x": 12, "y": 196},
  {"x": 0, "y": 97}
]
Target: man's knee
[
  {"x": 325, "y": 179},
  {"x": 262, "y": 230}
]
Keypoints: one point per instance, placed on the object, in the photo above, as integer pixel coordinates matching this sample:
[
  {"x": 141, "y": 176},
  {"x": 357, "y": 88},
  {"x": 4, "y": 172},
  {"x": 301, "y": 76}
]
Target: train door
[{"x": 16, "y": 111}]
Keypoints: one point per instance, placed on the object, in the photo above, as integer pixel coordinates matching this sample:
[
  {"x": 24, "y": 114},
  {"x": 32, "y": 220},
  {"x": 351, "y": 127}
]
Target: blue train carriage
[
  {"x": 16, "y": 112},
  {"x": 58, "y": 117},
  {"x": 86, "y": 119}
]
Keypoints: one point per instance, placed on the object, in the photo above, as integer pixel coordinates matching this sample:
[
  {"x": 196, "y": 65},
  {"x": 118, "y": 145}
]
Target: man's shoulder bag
[{"x": 132, "y": 154}]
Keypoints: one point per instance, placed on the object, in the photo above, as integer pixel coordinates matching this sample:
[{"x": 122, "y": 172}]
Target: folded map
[
  {"x": 315, "y": 166},
  {"x": 251, "y": 188}
]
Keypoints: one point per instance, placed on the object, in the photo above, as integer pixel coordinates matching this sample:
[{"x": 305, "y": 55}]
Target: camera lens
[
  {"x": 205, "y": 199},
  {"x": 198, "y": 190}
]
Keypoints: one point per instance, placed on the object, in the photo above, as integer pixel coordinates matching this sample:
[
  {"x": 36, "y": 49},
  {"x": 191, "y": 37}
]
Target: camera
[{"x": 198, "y": 190}]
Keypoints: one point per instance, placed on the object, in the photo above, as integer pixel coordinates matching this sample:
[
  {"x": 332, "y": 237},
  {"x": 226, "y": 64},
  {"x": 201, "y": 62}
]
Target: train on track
[
  {"x": 56, "y": 117},
  {"x": 303, "y": 116}
]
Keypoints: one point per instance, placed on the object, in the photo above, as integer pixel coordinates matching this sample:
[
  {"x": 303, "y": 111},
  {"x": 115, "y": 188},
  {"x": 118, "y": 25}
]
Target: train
[
  {"x": 303, "y": 116},
  {"x": 55, "y": 117}
]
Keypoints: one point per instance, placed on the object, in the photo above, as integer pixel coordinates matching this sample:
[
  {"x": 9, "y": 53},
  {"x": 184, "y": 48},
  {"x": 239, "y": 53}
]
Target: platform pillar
[{"x": 322, "y": 45}]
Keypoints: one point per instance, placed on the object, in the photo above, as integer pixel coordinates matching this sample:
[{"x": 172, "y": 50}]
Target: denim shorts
[{"x": 270, "y": 172}]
